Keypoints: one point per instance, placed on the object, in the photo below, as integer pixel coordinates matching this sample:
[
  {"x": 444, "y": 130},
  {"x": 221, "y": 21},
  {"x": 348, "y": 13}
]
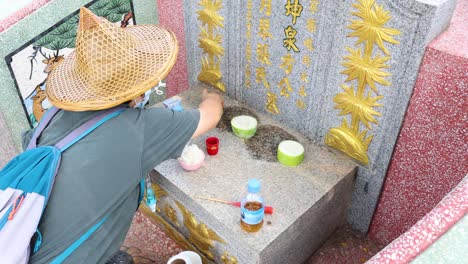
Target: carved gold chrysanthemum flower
[
  {"x": 360, "y": 108},
  {"x": 211, "y": 44},
  {"x": 370, "y": 29},
  {"x": 349, "y": 141},
  {"x": 209, "y": 15},
  {"x": 200, "y": 235},
  {"x": 365, "y": 69},
  {"x": 211, "y": 74}
]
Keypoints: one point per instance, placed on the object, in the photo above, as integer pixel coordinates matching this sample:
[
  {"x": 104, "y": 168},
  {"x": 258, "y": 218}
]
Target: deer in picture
[
  {"x": 40, "y": 96},
  {"x": 52, "y": 63},
  {"x": 126, "y": 19},
  {"x": 37, "y": 99}
]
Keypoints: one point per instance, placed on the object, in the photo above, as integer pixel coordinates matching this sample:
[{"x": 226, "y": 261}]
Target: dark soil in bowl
[{"x": 264, "y": 144}]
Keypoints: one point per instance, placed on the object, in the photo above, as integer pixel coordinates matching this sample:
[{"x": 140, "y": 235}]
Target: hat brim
[{"x": 148, "y": 63}]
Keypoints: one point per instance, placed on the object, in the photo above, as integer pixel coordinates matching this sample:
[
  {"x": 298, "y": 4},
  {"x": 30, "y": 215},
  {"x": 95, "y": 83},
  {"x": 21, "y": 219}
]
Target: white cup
[{"x": 185, "y": 257}]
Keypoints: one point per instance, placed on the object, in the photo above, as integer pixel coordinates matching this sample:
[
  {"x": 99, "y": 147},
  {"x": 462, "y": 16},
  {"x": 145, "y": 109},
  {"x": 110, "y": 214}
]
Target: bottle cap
[{"x": 253, "y": 186}]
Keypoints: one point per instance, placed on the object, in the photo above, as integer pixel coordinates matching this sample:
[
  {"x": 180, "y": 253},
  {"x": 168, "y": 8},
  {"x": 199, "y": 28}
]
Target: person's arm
[{"x": 211, "y": 110}]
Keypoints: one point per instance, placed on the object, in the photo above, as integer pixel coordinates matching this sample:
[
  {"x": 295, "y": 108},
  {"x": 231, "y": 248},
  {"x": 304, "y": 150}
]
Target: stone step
[{"x": 310, "y": 200}]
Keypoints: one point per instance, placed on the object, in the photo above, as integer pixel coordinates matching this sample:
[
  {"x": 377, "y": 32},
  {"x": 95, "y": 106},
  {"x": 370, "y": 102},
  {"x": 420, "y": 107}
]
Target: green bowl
[
  {"x": 290, "y": 153},
  {"x": 244, "y": 126}
]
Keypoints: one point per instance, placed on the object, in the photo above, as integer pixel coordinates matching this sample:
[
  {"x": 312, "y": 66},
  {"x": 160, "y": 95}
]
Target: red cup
[{"x": 212, "y": 145}]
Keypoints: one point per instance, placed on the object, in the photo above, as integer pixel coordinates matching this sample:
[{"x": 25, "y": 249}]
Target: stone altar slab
[
  {"x": 339, "y": 72},
  {"x": 310, "y": 200}
]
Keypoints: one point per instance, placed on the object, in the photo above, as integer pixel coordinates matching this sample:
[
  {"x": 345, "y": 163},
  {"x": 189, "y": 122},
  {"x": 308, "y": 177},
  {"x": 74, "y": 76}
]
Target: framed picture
[
  {"x": 31, "y": 64},
  {"x": 35, "y": 45}
]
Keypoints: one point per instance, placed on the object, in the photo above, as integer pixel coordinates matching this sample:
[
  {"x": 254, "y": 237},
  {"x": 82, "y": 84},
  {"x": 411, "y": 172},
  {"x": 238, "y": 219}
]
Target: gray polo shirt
[{"x": 100, "y": 176}]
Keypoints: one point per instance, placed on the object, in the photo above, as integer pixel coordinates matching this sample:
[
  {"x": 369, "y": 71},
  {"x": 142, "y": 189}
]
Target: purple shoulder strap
[
  {"x": 88, "y": 127},
  {"x": 79, "y": 132},
  {"x": 42, "y": 125}
]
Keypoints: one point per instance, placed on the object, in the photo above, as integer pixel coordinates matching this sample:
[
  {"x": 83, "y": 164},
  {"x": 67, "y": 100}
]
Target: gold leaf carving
[
  {"x": 171, "y": 231},
  {"x": 209, "y": 14},
  {"x": 248, "y": 52},
  {"x": 307, "y": 61},
  {"x": 248, "y": 74},
  {"x": 285, "y": 86},
  {"x": 290, "y": 39},
  {"x": 304, "y": 77},
  {"x": 293, "y": 9},
  {"x": 220, "y": 86},
  {"x": 370, "y": 28},
  {"x": 264, "y": 29},
  {"x": 171, "y": 213},
  {"x": 301, "y": 104},
  {"x": 288, "y": 62},
  {"x": 311, "y": 25},
  {"x": 309, "y": 44},
  {"x": 227, "y": 259},
  {"x": 365, "y": 69},
  {"x": 265, "y": 7},
  {"x": 313, "y": 7},
  {"x": 200, "y": 235},
  {"x": 368, "y": 69},
  {"x": 248, "y": 32},
  {"x": 263, "y": 55},
  {"x": 360, "y": 108},
  {"x": 211, "y": 74},
  {"x": 302, "y": 91},
  {"x": 211, "y": 44},
  {"x": 158, "y": 191},
  {"x": 346, "y": 140},
  {"x": 271, "y": 105},
  {"x": 260, "y": 76}
]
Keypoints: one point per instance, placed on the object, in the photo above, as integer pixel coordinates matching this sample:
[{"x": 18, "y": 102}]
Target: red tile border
[
  {"x": 425, "y": 232},
  {"x": 171, "y": 16},
  {"x": 20, "y": 14},
  {"x": 430, "y": 158}
]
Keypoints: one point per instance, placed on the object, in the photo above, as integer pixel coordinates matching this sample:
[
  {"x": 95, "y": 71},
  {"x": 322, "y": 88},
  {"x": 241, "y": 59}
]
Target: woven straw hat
[{"x": 110, "y": 65}]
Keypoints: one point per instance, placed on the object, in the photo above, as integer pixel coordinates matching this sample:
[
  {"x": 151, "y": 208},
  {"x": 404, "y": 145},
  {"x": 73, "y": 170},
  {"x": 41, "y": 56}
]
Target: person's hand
[
  {"x": 211, "y": 110},
  {"x": 213, "y": 94}
]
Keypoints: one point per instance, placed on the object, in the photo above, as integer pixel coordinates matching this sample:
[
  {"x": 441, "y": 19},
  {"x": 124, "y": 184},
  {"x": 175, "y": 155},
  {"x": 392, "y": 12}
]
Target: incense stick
[{"x": 212, "y": 199}]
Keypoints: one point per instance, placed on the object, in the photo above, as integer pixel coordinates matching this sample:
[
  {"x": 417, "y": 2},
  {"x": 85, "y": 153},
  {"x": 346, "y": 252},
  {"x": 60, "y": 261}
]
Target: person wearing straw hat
[{"x": 99, "y": 176}]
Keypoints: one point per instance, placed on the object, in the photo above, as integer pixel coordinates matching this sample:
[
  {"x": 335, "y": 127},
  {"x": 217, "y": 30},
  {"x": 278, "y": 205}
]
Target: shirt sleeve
[{"x": 166, "y": 133}]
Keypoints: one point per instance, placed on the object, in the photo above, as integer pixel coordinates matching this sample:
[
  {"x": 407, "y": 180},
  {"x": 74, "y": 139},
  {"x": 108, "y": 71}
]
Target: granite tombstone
[{"x": 340, "y": 72}]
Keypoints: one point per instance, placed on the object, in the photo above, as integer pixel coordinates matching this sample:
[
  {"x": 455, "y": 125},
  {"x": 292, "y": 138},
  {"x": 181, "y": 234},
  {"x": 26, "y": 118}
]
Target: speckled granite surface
[
  {"x": 147, "y": 243},
  {"x": 21, "y": 13},
  {"x": 310, "y": 200},
  {"x": 171, "y": 16},
  {"x": 430, "y": 157},
  {"x": 7, "y": 149},
  {"x": 429, "y": 229},
  {"x": 454, "y": 40},
  {"x": 418, "y": 21},
  {"x": 450, "y": 248}
]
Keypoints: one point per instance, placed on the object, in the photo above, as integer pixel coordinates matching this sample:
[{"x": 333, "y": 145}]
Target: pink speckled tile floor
[
  {"x": 345, "y": 246},
  {"x": 147, "y": 243}
]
